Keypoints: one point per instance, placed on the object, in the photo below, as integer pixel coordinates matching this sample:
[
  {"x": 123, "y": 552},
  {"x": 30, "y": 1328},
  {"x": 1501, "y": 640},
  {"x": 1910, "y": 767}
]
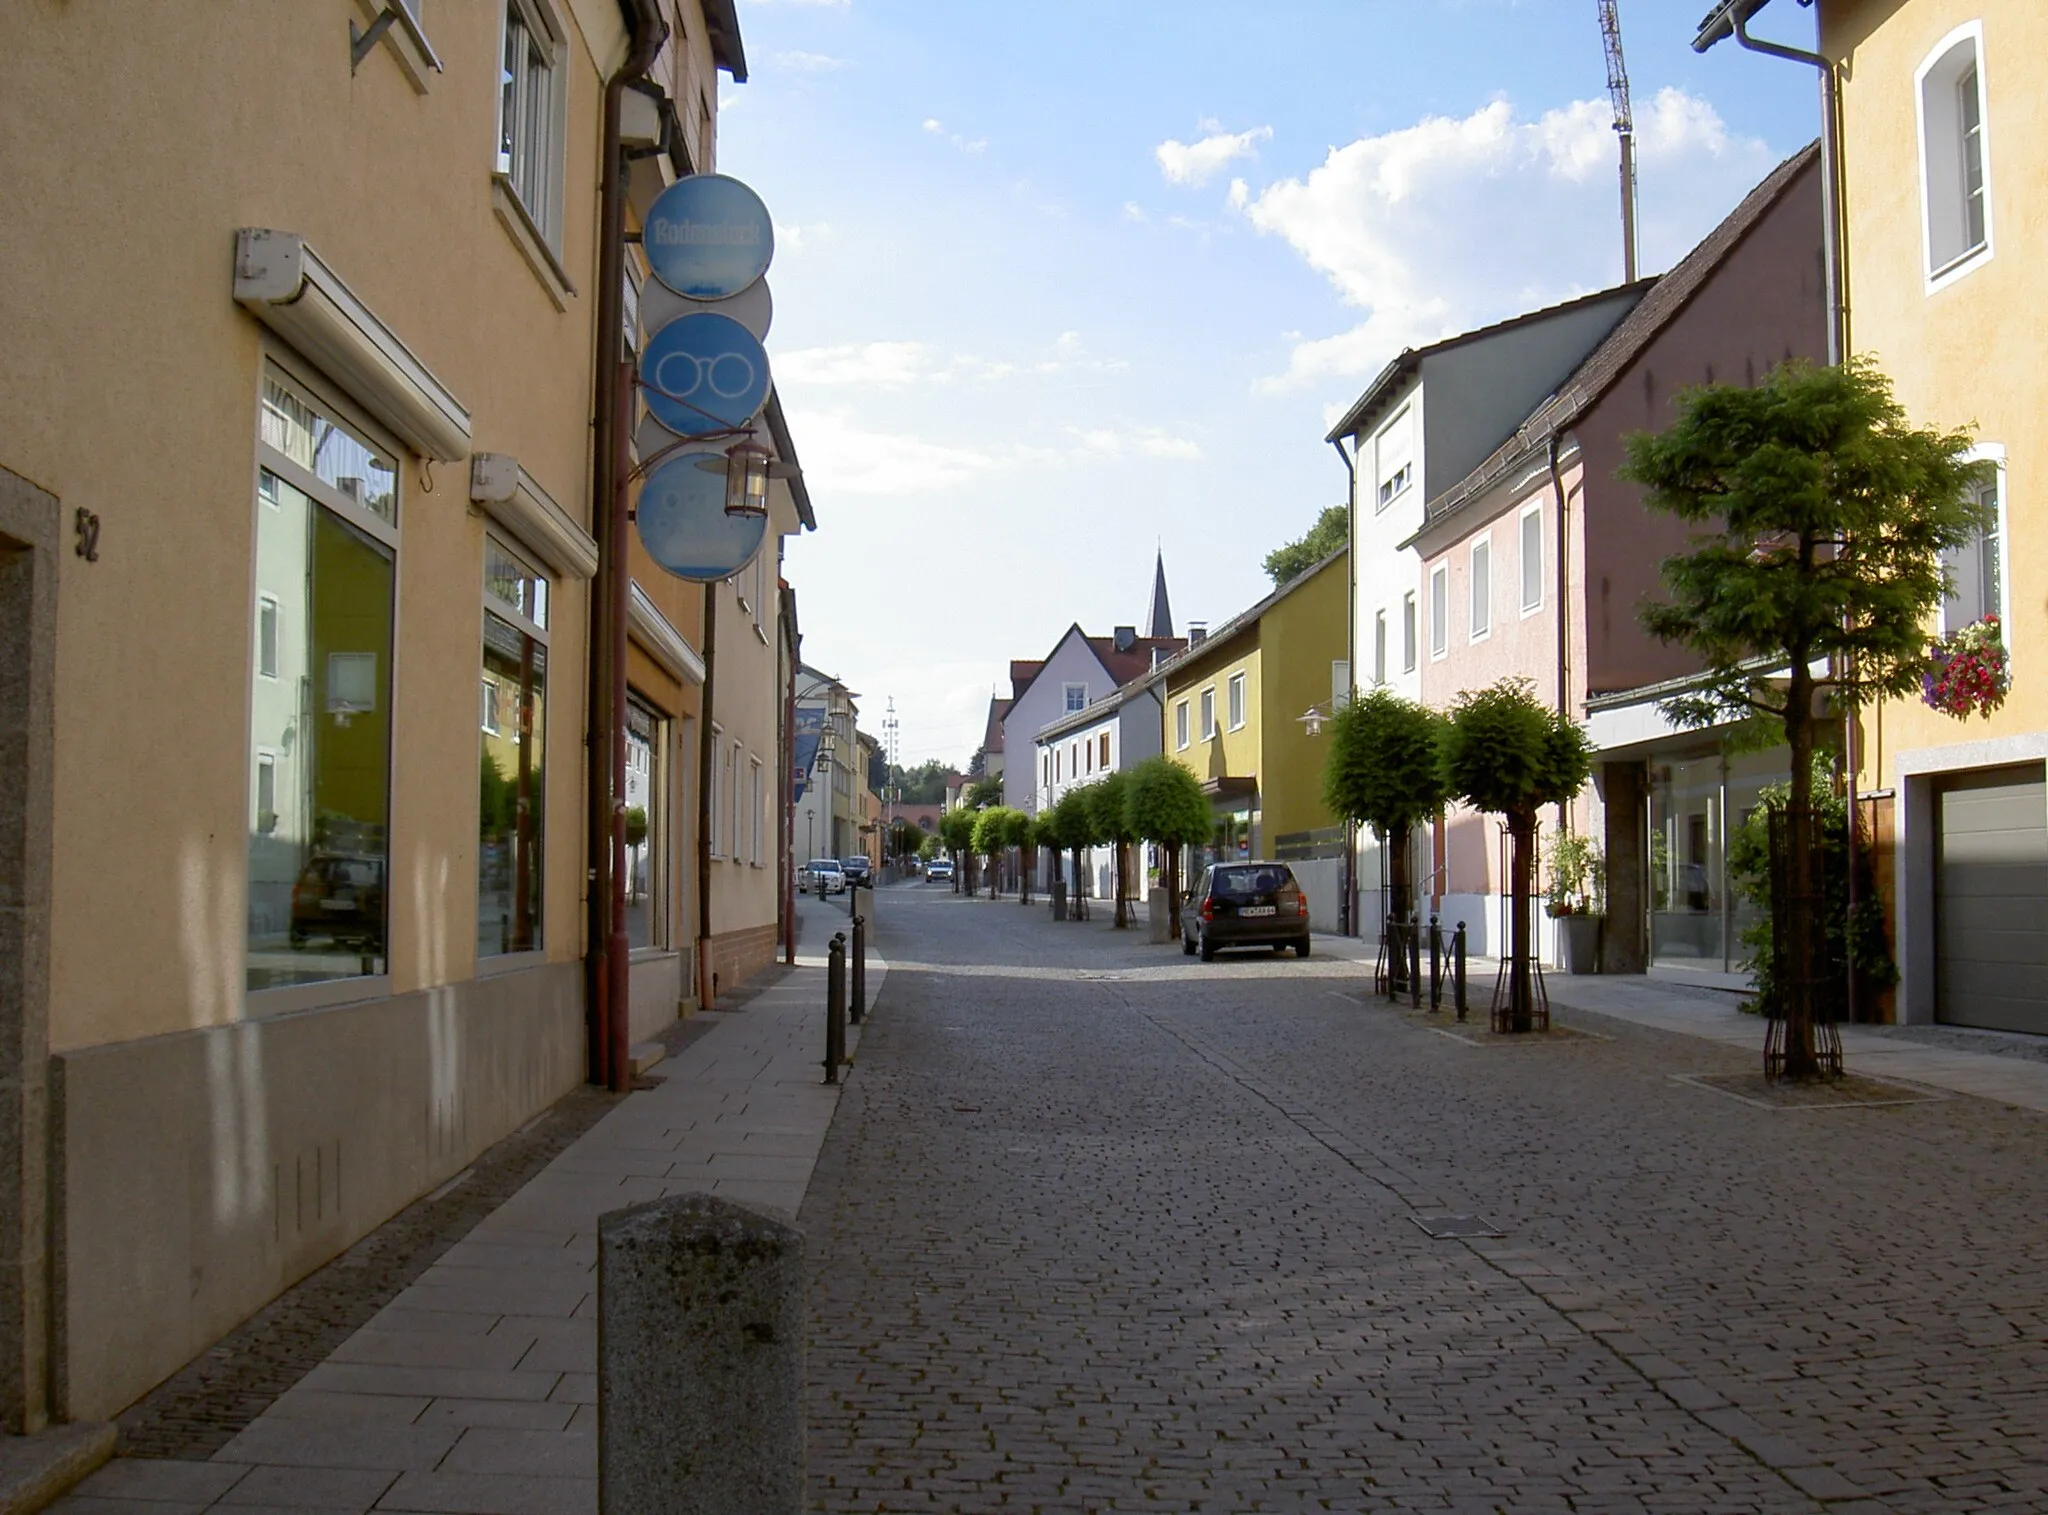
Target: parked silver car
[{"x": 822, "y": 875}]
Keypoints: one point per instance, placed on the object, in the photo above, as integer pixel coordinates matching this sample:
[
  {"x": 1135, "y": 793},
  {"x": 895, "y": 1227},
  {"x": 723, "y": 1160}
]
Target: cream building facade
[{"x": 296, "y": 541}]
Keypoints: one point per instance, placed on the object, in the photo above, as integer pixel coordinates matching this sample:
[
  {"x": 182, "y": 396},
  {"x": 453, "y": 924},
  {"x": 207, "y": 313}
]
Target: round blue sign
[
  {"x": 704, "y": 374},
  {"x": 708, "y": 237},
  {"x": 683, "y": 523}
]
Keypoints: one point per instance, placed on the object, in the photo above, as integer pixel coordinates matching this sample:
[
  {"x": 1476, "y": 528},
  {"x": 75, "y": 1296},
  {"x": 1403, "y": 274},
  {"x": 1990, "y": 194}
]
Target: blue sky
[{"x": 1056, "y": 284}]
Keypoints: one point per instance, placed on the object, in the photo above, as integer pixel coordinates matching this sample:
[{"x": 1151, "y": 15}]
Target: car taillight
[
  {"x": 1208, "y": 910},
  {"x": 1301, "y": 904}
]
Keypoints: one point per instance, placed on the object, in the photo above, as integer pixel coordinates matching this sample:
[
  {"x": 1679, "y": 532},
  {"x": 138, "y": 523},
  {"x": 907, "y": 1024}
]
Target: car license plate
[{"x": 1257, "y": 910}]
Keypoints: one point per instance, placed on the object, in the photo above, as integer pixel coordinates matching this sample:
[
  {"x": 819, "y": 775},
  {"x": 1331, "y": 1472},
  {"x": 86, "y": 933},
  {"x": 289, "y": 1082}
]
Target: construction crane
[{"x": 1625, "y": 129}]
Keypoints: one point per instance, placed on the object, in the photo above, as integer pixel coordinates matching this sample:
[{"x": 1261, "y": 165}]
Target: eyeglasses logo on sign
[
  {"x": 708, "y": 237},
  {"x": 683, "y": 521},
  {"x": 704, "y": 375}
]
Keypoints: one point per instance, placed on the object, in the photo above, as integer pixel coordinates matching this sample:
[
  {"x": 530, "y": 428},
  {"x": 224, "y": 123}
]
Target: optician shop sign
[{"x": 703, "y": 371}]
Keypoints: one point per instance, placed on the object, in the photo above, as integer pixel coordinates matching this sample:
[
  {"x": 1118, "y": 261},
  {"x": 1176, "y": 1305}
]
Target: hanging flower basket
[{"x": 1969, "y": 673}]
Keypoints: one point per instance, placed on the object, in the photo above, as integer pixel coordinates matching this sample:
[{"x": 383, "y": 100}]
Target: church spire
[{"x": 1161, "y": 617}]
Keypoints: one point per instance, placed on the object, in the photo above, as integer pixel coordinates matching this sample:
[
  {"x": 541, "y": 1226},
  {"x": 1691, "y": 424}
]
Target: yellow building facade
[
  {"x": 1945, "y": 170},
  {"x": 1232, "y": 716},
  {"x": 295, "y": 549}
]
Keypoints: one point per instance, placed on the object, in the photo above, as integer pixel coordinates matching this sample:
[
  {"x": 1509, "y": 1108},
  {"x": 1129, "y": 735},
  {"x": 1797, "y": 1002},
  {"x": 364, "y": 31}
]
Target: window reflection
[
  {"x": 510, "y": 808},
  {"x": 320, "y": 737},
  {"x": 646, "y": 827}
]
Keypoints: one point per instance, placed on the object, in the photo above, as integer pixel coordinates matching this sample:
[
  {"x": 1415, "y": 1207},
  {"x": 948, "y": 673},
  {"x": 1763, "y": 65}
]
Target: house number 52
[{"x": 88, "y": 526}]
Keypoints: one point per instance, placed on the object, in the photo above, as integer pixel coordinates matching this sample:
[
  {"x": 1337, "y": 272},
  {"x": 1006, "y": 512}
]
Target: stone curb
[{"x": 37, "y": 1470}]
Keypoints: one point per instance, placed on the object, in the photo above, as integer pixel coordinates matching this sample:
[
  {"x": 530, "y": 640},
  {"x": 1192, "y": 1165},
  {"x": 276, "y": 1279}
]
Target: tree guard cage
[{"x": 1807, "y": 1000}]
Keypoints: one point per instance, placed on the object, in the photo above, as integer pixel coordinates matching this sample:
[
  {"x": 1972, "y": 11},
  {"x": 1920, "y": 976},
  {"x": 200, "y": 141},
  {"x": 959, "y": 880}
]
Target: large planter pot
[{"x": 1581, "y": 935}]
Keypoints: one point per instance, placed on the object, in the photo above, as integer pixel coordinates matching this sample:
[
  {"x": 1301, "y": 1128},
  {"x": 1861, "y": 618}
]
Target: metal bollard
[
  {"x": 1436, "y": 964},
  {"x": 835, "y": 1007},
  {"x": 1458, "y": 968},
  {"x": 1415, "y": 961},
  {"x": 860, "y": 969}
]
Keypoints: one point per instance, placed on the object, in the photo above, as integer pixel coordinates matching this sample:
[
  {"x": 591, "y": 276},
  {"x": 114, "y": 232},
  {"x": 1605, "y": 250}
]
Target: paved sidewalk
[
  {"x": 1715, "y": 1016},
  {"x": 474, "y": 1391}
]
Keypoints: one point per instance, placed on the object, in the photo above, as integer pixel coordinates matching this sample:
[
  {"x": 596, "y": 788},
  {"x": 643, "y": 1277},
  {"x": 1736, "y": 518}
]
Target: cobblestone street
[{"x": 1101, "y": 1228}]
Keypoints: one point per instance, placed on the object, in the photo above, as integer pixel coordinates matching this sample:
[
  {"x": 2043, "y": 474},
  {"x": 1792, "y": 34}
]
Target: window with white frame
[
  {"x": 530, "y": 101},
  {"x": 1102, "y": 760},
  {"x": 1236, "y": 701},
  {"x": 1955, "y": 157},
  {"x": 1340, "y": 683},
  {"x": 755, "y": 810},
  {"x": 735, "y": 796},
  {"x": 1208, "y": 712},
  {"x": 1088, "y": 756},
  {"x": 1482, "y": 588},
  {"x": 1393, "y": 459},
  {"x": 1076, "y": 698},
  {"x": 266, "y": 793},
  {"x": 1408, "y": 632},
  {"x": 266, "y": 635},
  {"x": 1532, "y": 558},
  {"x": 1379, "y": 647},
  {"x": 1439, "y": 610},
  {"x": 489, "y": 716},
  {"x": 1180, "y": 724},
  {"x": 719, "y": 770},
  {"x": 1976, "y": 570}
]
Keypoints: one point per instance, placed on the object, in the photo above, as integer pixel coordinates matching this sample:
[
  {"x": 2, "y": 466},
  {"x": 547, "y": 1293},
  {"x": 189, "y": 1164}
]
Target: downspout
[
  {"x": 1350, "y": 921},
  {"x": 707, "y": 749},
  {"x": 1838, "y": 339},
  {"x": 1564, "y": 661},
  {"x": 605, "y": 959},
  {"x": 787, "y": 888}
]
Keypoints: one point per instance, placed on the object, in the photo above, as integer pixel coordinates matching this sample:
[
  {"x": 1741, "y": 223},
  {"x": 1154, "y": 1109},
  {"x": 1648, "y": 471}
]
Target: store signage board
[
  {"x": 708, "y": 237},
  {"x": 753, "y": 307},
  {"x": 704, "y": 375},
  {"x": 683, "y": 524}
]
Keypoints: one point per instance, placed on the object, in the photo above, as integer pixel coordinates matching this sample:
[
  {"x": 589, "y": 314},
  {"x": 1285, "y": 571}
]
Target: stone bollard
[{"x": 700, "y": 1359}]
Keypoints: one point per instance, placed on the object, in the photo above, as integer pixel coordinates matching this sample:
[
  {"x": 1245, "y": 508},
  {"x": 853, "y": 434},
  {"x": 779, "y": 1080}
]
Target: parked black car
[
  {"x": 1245, "y": 905},
  {"x": 858, "y": 871}
]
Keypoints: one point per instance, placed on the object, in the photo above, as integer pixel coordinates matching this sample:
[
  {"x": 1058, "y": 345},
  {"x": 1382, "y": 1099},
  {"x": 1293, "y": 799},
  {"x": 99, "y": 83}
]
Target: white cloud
[
  {"x": 966, "y": 144},
  {"x": 1198, "y": 162},
  {"x": 1454, "y": 222},
  {"x": 898, "y": 364},
  {"x": 842, "y": 456},
  {"x": 1139, "y": 441},
  {"x": 809, "y": 63}
]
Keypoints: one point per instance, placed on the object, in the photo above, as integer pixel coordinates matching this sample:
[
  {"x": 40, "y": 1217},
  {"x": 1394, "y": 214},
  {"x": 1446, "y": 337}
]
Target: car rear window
[{"x": 1236, "y": 883}]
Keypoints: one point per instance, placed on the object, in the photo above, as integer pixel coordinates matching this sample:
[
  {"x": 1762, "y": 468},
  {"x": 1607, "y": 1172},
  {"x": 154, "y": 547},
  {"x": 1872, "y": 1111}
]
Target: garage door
[{"x": 1991, "y": 901}]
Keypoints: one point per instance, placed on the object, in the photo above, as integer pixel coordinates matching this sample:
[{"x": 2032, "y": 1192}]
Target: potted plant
[{"x": 1577, "y": 899}]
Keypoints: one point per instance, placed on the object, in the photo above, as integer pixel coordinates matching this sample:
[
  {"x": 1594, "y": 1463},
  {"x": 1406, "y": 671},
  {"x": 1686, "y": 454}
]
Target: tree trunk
[
  {"x": 1399, "y": 843},
  {"x": 1795, "y": 977},
  {"x": 1029, "y": 857},
  {"x": 1171, "y": 873},
  {"x": 1116, "y": 877},
  {"x": 1522, "y": 865}
]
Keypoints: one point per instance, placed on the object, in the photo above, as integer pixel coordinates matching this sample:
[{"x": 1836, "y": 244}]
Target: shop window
[
  {"x": 647, "y": 823},
  {"x": 511, "y": 808},
  {"x": 320, "y": 719}
]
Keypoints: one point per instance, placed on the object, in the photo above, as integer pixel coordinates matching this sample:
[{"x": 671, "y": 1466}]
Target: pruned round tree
[
  {"x": 1823, "y": 518},
  {"x": 1072, "y": 827},
  {"x": 1107, "y": 807},
  {"x": 956, "y": 831},
  {"x": 1020, "y": 830},
  {"x": 1164, "y": 804},
  {"x": 991, "y": 836},
  {"x": 1385, "y": 769},
  {"x": 1508, "y": 753}
]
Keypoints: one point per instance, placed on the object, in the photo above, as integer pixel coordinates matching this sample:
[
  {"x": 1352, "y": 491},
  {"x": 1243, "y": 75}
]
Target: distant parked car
[
  {"x": 1245, "y": 905},
  {"x": 340, "y": 896},
  {"x": 939, "y": 870},
  {"x": 858, "y": 871},
  {"x": 823, "y": 876}
]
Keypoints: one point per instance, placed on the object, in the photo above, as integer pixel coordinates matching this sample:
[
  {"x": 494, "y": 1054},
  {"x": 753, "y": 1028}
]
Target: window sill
[
  {"x": 526, "y": 236},
  {"x": 416, "y": 57},
  {"x": 497, "y": 964},
  {"x": 321, "y": 996},
  {"x": 1958, "y": 268}
]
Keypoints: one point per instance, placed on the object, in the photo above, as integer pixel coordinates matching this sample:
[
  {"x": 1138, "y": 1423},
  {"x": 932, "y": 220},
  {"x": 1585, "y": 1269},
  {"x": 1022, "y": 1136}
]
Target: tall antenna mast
[{"x": 1624, "y": 128}]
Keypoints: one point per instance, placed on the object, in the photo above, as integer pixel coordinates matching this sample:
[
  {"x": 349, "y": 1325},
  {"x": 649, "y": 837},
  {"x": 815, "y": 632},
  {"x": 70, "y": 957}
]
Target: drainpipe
[
  {"x": 1350, "y": 462},
  {"x": 707, "y": 749},
  {"x": 1838, "y": 335},
  {"x": 605, "y": 960},
  {"x": 1831, "y": 193},
  {"x": 1564, "y": 663}
]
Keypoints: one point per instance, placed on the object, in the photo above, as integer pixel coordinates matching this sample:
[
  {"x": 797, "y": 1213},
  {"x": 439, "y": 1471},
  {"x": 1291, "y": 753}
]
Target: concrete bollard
[{"x": 700, "y": 1359}]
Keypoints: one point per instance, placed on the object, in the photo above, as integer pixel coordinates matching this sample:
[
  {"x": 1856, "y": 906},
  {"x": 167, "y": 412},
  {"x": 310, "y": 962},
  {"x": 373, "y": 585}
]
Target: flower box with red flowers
[{"x": 1968, "y": 672}]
